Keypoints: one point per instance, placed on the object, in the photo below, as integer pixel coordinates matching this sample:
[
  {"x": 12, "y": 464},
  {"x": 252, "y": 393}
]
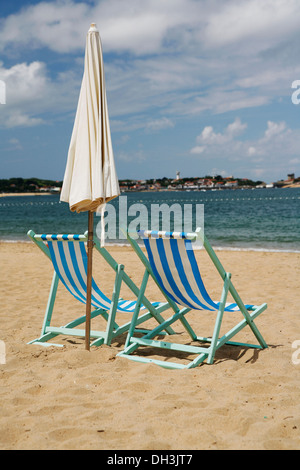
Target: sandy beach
[
  {"x": 44, "y": 193},
  {"x": 69, "y": 398}
]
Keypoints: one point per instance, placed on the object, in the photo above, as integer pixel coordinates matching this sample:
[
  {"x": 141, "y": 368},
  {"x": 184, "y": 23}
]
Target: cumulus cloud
[
  {"x": 210, "y": 138},
  {"x": 277, "y": 147},
  {"x": 274, "y": 129},
  {"x": 31, "y": 93},
  {"x": 25, "y": 84},
  {"x": 56, "y": 25},
  {"x": 197, "y": 149},
  {"x": 263, "y": 22}
]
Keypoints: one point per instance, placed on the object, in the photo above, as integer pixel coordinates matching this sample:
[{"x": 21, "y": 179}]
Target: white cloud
[
  {"x": 276, "y": 137},
  {"x": 11, "y": 145},
  {"x": 18, "y": 119},
  {"x": 251, "y": 151},
  {"x": 263, "y": 22},
  {"x": 136, "y": 157},
  {"x": 274, "y": 129},
  {"x": 236, "y": 128},
  {"x": 197, "y": 150},
  {"x": 31, "y": 93},
  {"x": 24, "y": 81},
  {"x": 25, "y": 85},
  {"x": 58, "y": 25},
  {"x": 278, "y": 145},
  {"x": 209, "y": 138},
  {"x": 158, "y": 124}
]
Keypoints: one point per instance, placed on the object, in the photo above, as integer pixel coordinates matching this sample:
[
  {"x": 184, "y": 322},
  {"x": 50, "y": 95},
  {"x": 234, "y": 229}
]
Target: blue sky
[{"x": 196, "y": 86}]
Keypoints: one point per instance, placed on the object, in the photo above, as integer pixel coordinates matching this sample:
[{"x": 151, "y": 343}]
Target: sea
[{"x": 257, "y": 219}]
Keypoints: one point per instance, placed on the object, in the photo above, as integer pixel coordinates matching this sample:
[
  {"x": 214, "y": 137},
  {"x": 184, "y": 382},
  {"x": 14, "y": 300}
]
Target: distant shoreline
[
  {"x": 296, "y": 185},
  {"x": 48, "y": 193}
]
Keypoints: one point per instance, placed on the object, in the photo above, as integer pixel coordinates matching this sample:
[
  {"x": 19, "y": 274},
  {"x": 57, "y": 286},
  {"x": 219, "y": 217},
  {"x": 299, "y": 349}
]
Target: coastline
[
  {"x": 216, "y": 248},
  {"x": 157, "y": 190}
]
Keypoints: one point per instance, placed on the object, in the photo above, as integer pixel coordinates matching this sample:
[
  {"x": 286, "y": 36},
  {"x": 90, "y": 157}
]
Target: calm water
[{"x": 266, "y": 219}]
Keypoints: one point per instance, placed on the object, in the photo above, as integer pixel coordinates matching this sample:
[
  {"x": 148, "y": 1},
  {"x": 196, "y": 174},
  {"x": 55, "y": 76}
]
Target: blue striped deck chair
[
  {"x": 69, "y": 259},
  {"x": 172, "y": 264}
]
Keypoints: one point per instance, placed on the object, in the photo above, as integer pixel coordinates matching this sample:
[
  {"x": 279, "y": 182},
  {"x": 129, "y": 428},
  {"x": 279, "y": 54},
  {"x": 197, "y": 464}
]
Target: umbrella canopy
[{"x": 90, "y": 177}]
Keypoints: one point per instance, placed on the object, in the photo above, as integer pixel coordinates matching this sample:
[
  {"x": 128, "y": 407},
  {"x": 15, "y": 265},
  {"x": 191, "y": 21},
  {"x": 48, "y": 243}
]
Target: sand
[
  {"x": 44, "y": 193},
  {"x": 70, "y": 398}
]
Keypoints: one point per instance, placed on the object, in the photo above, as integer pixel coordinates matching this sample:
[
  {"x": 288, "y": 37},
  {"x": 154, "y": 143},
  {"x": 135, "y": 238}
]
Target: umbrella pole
[{"x": 90, "y": 245}]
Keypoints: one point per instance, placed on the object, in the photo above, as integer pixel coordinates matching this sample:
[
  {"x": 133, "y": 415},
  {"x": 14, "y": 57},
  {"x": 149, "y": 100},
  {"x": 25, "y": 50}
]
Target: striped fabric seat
[
  {"x": 172, "y": 259},
  {"x": 69, "y": 258},
  {"x": 172, "y": 265}
]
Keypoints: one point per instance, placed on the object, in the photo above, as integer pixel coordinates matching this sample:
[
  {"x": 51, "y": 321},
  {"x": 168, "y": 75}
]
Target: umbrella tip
[{"x": 93, "y": 27}]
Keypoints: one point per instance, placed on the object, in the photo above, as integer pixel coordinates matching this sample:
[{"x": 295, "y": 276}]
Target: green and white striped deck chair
[
  {"x": 69, "y": 259},
  {"x": 172, "y": 264}
]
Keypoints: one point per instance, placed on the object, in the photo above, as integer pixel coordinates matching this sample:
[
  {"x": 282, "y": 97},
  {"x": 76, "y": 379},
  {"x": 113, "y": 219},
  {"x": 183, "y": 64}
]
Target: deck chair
[
  {"x": 172, "y": 264},
  {"x": 69, "y": 259}
]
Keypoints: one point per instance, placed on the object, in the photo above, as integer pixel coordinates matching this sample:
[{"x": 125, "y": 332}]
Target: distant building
[
  {"x": 178, "y": 175},
  {"x": 231, "y": 184}
]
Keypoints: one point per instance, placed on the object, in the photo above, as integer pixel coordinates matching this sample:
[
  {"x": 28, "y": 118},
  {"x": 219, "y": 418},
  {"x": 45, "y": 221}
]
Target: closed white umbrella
[{"x": 90, "y": 178}]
